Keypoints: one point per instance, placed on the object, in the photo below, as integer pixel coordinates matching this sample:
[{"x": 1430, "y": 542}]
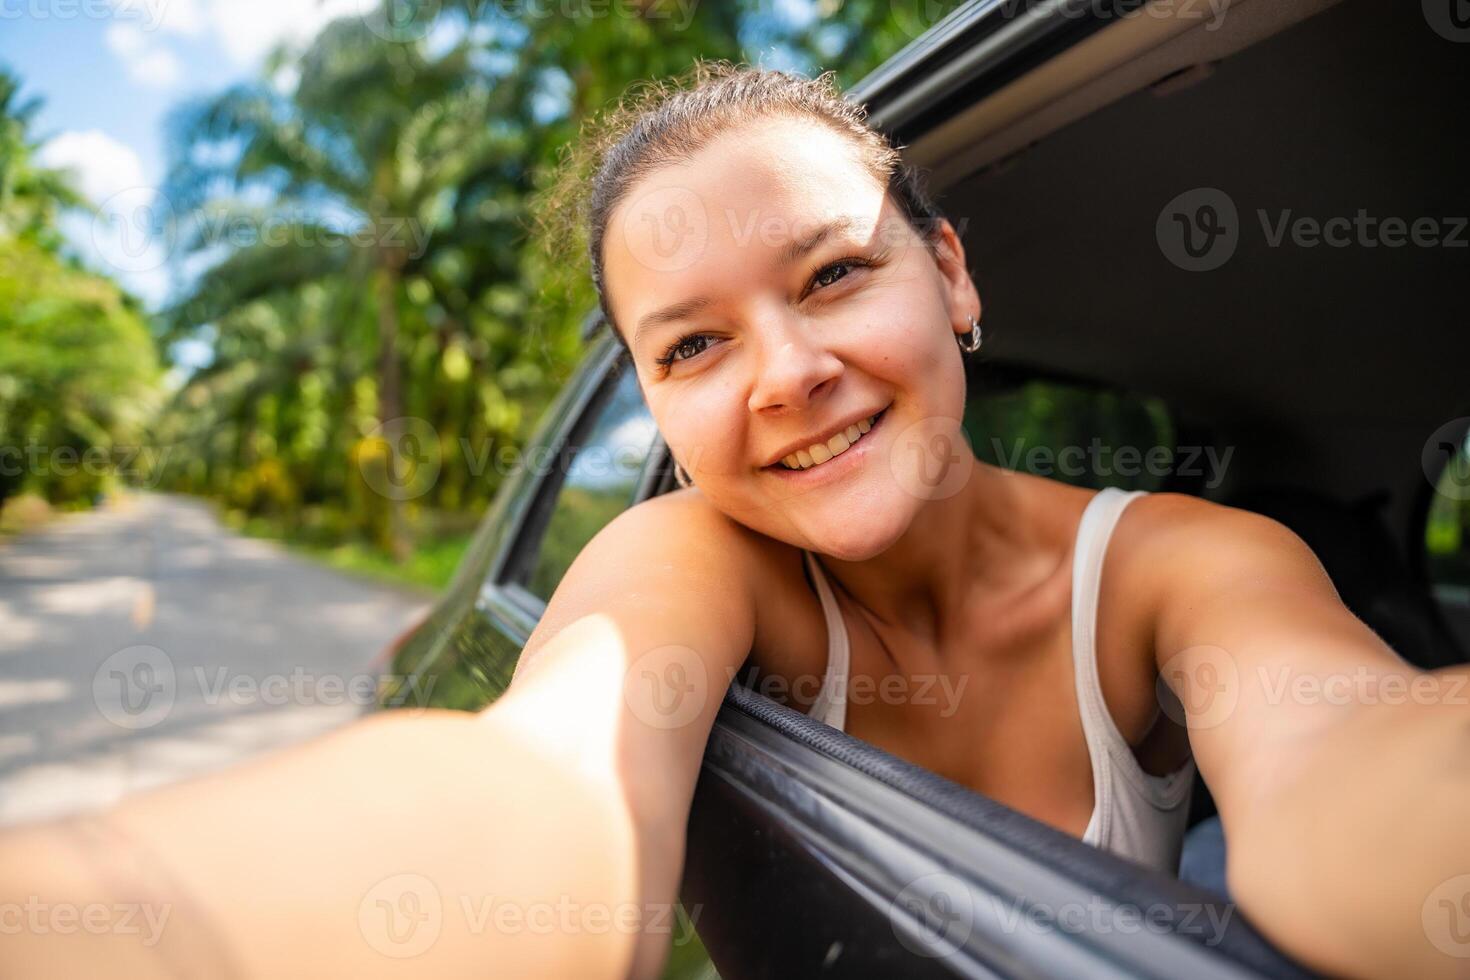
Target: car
[{"x": 1232, "y": 232}]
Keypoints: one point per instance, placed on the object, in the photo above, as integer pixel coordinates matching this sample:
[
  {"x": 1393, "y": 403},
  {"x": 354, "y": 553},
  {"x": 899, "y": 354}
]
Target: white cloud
[
  {"x": 247, "y": 31},
  {"x": 103, "y": 166},
  {"x": 147, "y": 62}
]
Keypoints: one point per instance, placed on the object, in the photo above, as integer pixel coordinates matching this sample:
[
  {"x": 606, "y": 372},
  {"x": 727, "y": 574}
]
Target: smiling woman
[{"x": 784, "y": 290}]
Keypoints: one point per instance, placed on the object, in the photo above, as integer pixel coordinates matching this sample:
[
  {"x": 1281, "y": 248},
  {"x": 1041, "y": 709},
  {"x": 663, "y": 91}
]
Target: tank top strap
[
  {"x": 1112, "y": 757},
  {"x": 831, "y": 704}
]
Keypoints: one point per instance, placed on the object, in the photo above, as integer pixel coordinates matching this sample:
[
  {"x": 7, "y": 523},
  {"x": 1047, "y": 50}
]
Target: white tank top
[{"x": 1134, "y": 815}]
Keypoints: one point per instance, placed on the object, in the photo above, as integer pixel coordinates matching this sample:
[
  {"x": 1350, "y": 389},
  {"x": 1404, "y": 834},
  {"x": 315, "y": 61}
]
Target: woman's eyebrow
[
  {"x": 674, "y": 311},
  {"x": 826, "y": 230}
]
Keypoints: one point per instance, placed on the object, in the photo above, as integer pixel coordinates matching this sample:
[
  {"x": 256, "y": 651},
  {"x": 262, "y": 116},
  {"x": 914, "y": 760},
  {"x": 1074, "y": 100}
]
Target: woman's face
[{"x": 772, "y": 295}]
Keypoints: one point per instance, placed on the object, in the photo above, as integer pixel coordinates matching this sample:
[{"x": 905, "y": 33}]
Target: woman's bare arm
[
  {"x": 541, "y": 837},
  {"x": 1341, "y": 772}
]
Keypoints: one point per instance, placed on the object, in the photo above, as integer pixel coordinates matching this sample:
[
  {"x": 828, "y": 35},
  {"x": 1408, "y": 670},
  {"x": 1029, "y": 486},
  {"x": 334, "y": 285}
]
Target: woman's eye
[
  {"x": 831, "y": 274},
  {"x": 685, "y": 348}
]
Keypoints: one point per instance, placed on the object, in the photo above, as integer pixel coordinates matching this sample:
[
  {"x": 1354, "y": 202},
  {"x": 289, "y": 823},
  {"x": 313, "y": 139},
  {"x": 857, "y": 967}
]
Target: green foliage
[{"x": 78, "y": 367}]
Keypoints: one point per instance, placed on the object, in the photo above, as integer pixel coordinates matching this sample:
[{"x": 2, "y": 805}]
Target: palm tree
[
  {"x": 365, "y": 160},
  {"x": 31, "y": 197}
]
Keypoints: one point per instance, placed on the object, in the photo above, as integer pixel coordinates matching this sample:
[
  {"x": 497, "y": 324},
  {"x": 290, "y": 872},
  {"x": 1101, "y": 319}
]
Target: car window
[
  {"x": 595, "y": 478},
  {"x": 1447, "y": 539},
  {"x": 1082, "y": 434}
]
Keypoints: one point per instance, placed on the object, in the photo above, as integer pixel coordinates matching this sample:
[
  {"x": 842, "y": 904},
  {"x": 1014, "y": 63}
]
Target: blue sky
[{"x": 110, "y": 71}]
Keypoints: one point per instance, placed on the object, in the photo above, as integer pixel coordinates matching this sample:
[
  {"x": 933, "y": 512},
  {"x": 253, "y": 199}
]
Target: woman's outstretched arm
[
  {"x": 541, "y": 837},
  {"x": 1342, "y": 773}
]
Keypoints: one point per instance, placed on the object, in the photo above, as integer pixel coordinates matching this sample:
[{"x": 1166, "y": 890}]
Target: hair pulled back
[{"x": 663, "y": 122}]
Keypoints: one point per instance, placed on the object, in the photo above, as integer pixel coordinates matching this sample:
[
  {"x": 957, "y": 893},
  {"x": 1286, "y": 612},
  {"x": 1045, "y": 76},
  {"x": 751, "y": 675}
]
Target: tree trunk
[{"x": 390, "y": 399}]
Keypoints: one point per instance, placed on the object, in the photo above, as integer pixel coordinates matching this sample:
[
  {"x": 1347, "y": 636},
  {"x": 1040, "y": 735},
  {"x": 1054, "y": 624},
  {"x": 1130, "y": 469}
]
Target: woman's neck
[{"x": 920, "y": 585}]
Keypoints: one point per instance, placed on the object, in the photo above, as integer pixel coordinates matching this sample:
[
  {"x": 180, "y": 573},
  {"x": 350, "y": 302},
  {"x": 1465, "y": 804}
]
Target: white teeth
[{"x": 820, "y": 452}]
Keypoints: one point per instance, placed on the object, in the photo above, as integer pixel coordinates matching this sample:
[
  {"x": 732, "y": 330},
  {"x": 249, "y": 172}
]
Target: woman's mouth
[{"x": 828, "y": 457}]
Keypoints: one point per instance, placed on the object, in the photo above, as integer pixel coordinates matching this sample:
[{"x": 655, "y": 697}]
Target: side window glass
[
  {"x": 597, "y": 476},
  {"x": 1078, "y": 434},
  {"x": 1447, "y": 540}
]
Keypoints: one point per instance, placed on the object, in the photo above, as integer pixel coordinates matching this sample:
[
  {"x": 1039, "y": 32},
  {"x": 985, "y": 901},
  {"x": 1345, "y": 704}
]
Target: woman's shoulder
[
  {"x": 790, "y": 631},
  {"x": 685, "y": 519},
  {"x": 1168, "y": 545}
]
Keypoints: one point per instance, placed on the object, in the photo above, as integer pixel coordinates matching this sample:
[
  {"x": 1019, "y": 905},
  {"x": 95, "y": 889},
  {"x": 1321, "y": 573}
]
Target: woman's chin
[{"x": 855, "y": 539}]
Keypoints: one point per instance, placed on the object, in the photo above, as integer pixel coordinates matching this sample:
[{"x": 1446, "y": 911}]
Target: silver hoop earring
[
  {"x": 971, "y": 343},
  {"x": 681, "y": 477}
]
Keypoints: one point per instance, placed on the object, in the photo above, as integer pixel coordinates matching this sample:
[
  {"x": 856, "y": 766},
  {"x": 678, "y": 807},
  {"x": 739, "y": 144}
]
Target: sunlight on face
[{"x": 770, "y": 290}]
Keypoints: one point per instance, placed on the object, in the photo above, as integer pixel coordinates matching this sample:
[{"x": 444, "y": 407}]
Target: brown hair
[{"x": 658, "y": 123}]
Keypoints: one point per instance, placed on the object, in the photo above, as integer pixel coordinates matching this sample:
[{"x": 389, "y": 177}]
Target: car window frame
[{"x": 506, "y": 594}]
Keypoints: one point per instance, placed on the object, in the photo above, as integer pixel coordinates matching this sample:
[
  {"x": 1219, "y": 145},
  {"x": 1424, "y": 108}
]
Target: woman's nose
[{"x": 790, "y": 365}]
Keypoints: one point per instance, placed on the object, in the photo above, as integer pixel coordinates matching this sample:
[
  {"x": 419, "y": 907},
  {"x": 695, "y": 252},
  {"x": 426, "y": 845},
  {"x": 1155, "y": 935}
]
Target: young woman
[{"x": 798, "y": 315}]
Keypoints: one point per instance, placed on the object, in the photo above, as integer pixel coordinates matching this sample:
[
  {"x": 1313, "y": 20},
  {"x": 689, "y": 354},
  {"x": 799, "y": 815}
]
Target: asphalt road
[{"x": 146, "y": 643}]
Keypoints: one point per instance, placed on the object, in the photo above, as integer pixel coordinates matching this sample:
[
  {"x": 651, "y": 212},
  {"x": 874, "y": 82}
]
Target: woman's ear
[{"x": 961, "y": 296}]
